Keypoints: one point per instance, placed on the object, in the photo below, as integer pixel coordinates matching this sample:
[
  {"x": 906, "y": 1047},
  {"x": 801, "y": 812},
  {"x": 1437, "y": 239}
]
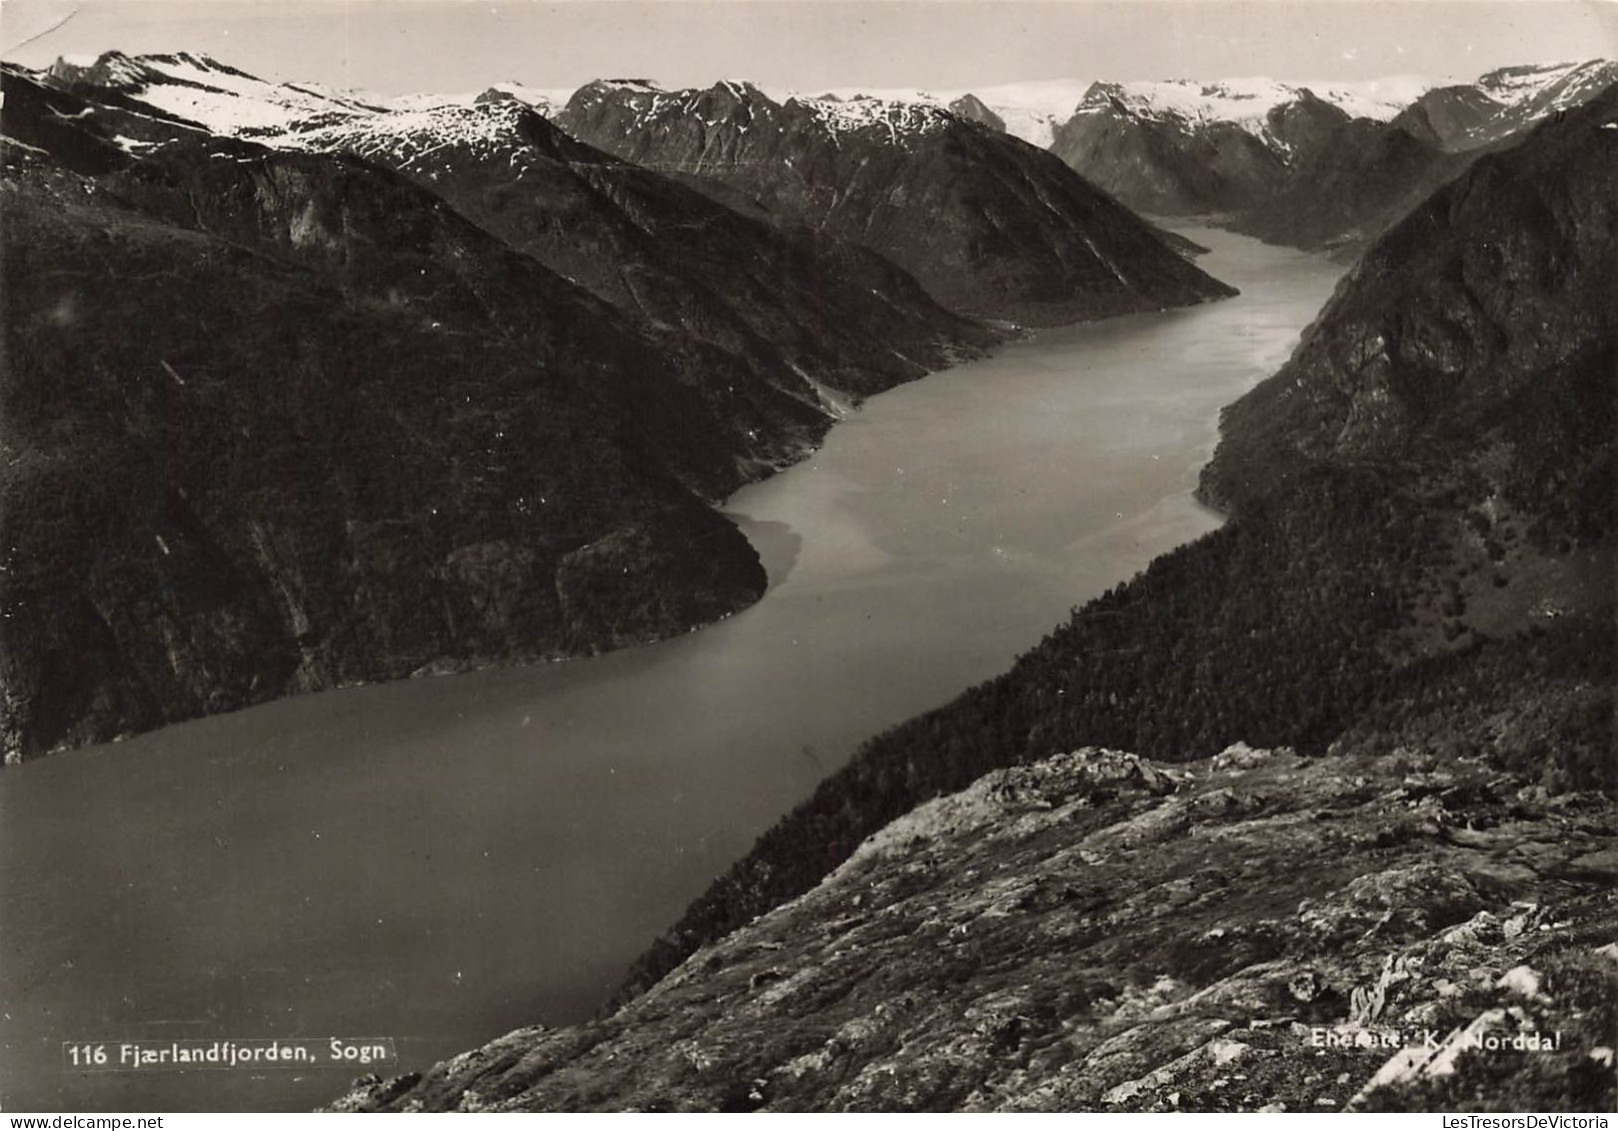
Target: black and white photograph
[{"x": 808, "y": 556}]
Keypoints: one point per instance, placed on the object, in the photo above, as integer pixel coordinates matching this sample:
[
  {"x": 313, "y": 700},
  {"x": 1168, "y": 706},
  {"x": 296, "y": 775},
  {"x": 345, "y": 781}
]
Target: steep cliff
[{"x": 1477, "y": 334}]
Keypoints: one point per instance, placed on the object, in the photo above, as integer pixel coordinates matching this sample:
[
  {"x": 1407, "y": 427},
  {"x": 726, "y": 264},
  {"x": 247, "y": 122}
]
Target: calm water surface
[{"x": 442, "y": 860}]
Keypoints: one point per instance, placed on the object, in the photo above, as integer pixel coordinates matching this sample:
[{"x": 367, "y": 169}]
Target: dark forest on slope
[{"x": 1420, "y": 554}]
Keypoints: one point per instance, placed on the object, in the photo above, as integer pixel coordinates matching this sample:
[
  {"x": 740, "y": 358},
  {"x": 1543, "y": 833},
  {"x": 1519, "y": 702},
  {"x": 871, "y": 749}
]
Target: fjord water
[{"x": 442, "y": 860}]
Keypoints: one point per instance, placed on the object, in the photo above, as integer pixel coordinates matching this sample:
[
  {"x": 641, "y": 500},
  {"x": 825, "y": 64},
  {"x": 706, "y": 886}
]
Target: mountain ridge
[{"x": 1094, "y": 931}]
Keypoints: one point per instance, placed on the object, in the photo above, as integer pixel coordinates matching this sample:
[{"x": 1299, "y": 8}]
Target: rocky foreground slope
[{"x": 1095, "y": 931}]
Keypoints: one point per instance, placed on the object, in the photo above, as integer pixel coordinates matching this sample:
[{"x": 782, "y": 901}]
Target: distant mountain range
[
  {"x": 1312, "y": 164},
  {"x": 1291, "y": 166}
]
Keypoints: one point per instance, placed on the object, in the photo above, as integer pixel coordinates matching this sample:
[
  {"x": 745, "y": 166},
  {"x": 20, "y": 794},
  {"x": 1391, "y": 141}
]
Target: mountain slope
[
  {"x": 1427, "y": 347},
  {"x": 276, "y": 422},
  {"x": 799, "y": 311},
  {"x": 988, "y": 225}
]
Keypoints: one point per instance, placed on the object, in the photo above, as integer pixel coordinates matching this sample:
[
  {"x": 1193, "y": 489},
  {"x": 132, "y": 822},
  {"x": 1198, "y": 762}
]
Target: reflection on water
[{"x": 442, "y": 860}]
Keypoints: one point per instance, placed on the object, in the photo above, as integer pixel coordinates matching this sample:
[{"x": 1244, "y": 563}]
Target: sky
[{"x": 398, "y": 46}]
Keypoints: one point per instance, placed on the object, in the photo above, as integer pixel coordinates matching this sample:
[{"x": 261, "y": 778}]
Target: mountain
[
  {"x": 1475, "y": 334},
  {"x": 1279, "y": 161},
  {"x": 1017, "y": 259},
  {"x": 974, "y": 109},
  {"x": 201, "y": 90},
  {"x": 1095, "y": 931},
  {"x": 1294, "y": 166},
  {"x": 794, "y": 307},
  {"x": 1033, "y": 110},
  {"x": 277, "y": 422},
  {"x": 226, "y": 101},
  {"x": 988, "y": 225},
  {"x": 797, "y": 308}
]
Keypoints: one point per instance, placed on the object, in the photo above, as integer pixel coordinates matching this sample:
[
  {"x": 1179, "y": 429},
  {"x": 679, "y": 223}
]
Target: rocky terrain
[
  {"x": 1095, "y": 931},
  {"x": 986, "y": 223}
]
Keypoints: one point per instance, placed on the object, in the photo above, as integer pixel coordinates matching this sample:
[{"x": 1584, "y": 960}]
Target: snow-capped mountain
[
  {"x": 1314, "y": 164},
  {"x": 543, "y": 100},
  {"x": 1030, "y": 111},
  {"x": 227, "y": 102},
  {"x": 203, "y": 91},
  {"x": 426, "y": 139},
  {"x": 1250, "y": 104},
  {"x": 1034, "y": 111},
  {"x": 641, "y": 103}
]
